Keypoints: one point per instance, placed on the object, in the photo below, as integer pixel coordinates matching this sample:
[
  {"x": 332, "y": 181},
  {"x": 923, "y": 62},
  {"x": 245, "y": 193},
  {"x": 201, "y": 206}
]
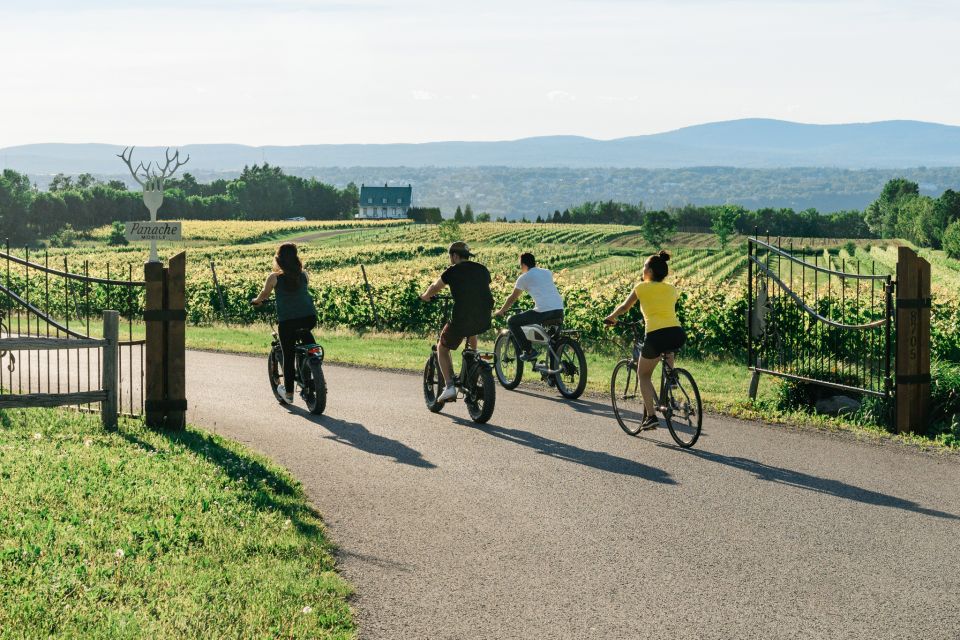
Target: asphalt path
[{"x": 550, "y": 522}]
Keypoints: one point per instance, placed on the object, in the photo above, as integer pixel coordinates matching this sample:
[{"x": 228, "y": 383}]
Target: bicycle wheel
[
  {"x": 275, "y": 372},
  {"x": 432, "y": 384},
  {"x": 684, "y": 410},
  {"x": 314, "y": 392},
  {"x": 481, "y": 394},
  {"x": 572, "y": 379},
  {"x": 625, "y": 396},
  {"x": 507, "y": 362}
]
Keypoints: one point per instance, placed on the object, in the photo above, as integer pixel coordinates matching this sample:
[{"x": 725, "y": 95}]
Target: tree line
[
  {"x": 901, "y": 212},
  {"x": 82, "y": 202}
]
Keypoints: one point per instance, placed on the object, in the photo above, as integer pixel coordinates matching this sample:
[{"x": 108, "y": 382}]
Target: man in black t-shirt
[{"x": 469, "y": 284}]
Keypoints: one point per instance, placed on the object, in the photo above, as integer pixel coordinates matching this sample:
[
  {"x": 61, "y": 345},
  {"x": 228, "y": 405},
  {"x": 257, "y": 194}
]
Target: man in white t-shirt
[{"x": 548, "y": 305}]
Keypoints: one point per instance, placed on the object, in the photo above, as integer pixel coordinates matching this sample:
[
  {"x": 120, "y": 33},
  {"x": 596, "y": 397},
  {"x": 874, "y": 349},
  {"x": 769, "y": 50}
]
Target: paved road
[{"x": 549, "y": 522}]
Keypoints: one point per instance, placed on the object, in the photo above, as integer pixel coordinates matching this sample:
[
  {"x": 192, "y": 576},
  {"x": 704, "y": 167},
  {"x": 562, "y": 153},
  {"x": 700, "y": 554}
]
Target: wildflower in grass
[
  {"x": 37, "y": 436},
  {"x": 118, "y": 554},
  {"x": 307, "y": 609}
]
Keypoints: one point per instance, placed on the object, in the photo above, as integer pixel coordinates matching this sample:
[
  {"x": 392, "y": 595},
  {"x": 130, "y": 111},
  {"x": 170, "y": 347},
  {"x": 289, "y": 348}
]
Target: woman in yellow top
[{"x": 664, "y": 334}]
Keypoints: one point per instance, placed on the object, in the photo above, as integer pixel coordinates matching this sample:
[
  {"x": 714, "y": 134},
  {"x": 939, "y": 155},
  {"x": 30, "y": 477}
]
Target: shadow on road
[
  {"x": 563, "y": 451},
  {"x": 587, "y": 407},
  {"x": 356, "y": 435},
  {"x": 815, "y": 483}
]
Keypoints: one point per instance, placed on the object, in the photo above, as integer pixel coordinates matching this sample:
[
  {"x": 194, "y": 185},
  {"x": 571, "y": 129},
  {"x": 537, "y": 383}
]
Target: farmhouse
[{"x": 384, "y": 202}]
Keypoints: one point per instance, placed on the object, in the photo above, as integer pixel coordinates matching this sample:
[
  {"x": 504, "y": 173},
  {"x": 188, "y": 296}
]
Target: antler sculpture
[{"x": 146, "y": 175}]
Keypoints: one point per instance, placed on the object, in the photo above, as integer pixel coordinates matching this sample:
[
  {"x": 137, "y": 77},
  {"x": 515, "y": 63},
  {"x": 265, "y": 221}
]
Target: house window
[
  {"x": 369, "y": 200},
  {"x": 384, "y": 211},
  {"x": 384, "y": 201},
  {"x": 399, "y": 200}
]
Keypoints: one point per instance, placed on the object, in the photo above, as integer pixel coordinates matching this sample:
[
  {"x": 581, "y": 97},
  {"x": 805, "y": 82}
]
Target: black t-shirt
[{"x": 469, "y": 284}]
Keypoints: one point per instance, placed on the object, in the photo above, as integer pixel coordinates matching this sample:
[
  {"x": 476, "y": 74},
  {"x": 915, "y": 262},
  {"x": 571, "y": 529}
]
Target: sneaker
[
  {"x": 649, "y": 422},
  {"x": 530, "y": 355},
  {"x": 449, "y": 393},
  {"x": 282, "y": 392}
]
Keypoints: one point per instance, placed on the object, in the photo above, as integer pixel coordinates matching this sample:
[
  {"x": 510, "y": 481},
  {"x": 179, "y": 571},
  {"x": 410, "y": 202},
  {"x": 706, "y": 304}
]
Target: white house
[{"x": 384, "y": 202}]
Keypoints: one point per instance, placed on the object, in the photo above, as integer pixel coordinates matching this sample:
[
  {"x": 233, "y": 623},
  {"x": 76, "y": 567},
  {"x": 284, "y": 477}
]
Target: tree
[
  {"x": 657, "y": 228},
  {"x": 16, "y": 195},
  {"x": 458, "y": 216},
  {"x": 118, "y": 236},
  {"x": 449, "y": 231},
  {"x": 556, "y": 216},
  {"x": 951, "y": 240},
  {"x": 117, "y": 185},
  {"x": 483, "y": 217},
  {"x": 724, "y": 223},
  {"x": 539, "y": 220},
  {"x": 468, "y": 214},
  {"x": 85, "y": 181},
  {"x": 61, "y": 182}
]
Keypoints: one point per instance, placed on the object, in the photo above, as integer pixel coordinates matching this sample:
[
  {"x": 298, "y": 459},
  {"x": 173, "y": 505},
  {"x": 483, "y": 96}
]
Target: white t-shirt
[{"x": 539, "y": 284}]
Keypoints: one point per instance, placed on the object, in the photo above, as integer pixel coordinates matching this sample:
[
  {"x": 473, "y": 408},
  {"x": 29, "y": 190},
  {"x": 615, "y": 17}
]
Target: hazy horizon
[{"x": 297, "y": 72}]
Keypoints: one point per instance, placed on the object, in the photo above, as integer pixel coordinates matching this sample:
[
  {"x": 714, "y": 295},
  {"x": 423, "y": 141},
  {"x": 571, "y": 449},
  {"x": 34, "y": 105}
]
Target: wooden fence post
[
  {"x": 913, "y": 342},
  {"x": 176, "y": 396},
  {"x": 154, "y": 278},
  {"x": 111, "y": 383}
]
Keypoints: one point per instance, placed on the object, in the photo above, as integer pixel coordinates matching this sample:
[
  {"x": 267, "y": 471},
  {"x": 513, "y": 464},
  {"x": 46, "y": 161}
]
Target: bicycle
[
  {"x": 682, "y": 408},
  {"x": 563, "y": 365},
  {"x": 308, "y": 371},
  {"x": 474, "y": 382}
]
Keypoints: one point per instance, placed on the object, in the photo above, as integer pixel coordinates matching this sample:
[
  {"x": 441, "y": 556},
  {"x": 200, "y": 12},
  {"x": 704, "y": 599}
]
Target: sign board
[{"x": 155, "y": 231}]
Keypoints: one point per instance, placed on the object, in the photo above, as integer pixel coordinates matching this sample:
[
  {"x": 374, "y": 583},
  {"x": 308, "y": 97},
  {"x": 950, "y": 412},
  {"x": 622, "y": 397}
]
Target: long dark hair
[
  {"x": 657, "y": 263},
  {"x": 286, "y": 262}
]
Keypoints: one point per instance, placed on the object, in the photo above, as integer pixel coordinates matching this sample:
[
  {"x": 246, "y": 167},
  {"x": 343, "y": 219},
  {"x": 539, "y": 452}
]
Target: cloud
[
  {"x": 560, "y": 96},
  {"x": 422, "y": 95}
]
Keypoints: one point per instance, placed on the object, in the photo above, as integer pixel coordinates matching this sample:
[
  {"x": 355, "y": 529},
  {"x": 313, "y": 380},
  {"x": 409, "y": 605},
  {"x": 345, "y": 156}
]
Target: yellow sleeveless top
[{"x": 658, "y": 302}]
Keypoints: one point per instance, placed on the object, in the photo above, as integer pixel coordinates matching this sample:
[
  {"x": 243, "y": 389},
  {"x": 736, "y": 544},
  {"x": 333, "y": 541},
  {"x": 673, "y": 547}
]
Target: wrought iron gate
[
  {"x": 43, "y": 300},
  {"x": 817, "y": 317}
]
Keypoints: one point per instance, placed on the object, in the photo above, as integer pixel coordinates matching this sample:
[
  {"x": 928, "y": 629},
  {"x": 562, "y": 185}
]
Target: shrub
[
  {"x": 66, "y": 237},
  {"x": 951, "y": 240},
  {"x": 850, "y": 247},
  {"x": 118, "y": 236}
]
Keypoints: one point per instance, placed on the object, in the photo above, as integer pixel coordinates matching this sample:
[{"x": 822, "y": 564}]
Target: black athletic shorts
[{"x": 661, "y": 341}]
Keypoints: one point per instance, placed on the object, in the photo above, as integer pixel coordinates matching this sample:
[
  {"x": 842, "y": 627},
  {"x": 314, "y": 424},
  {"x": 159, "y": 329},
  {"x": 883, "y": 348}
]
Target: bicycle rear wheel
[
  {"x": 481, "y": 395},
  {"x": 314, "y": 387},
  {"x": 506, "y": 359},
  {"x": 683, "y": 409},
  {"x": 625, "y": 396},
  {"x": 572, "y": 379}
]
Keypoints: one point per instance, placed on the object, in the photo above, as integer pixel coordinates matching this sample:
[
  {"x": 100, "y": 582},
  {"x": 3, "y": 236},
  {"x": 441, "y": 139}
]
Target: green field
[{"x": 137, "y": 534}]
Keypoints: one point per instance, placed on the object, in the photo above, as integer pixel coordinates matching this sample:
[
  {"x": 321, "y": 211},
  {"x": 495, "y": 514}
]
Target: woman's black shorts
[{"x": 663, "y": 341}]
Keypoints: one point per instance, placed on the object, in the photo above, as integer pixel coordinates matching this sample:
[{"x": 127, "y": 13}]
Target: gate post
[
  {"x": 913, "y": 342},
  {"x": 111, "y": 334},
  {"x": 165, "y": 367},
  {"x": 153, "y": 275},
  {"x": 176, "y": 342}
]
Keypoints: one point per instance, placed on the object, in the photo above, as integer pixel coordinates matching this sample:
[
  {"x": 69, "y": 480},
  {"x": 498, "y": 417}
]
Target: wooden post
[
  {"x": 153, "y": 275},
  {"x": 913, "y": 342},
  {"x": 111, "y": 384},
  {"x": 176, "y": 342}
]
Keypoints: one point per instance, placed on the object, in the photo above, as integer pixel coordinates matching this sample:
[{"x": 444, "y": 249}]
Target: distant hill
[{"x": 749, "y": 143}]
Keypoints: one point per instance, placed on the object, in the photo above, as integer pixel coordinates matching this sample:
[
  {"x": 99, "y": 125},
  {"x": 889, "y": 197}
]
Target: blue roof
[{"x": 385, "y": 196}]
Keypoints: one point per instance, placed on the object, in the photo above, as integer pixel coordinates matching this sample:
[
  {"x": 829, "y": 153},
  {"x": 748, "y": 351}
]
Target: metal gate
[
  {"x": 41, "y": 299},
  {"x": 818, "y": 317}
]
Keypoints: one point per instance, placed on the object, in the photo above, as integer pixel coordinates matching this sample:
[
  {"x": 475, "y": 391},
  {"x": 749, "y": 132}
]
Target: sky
[{"x": 293, "y": 72}]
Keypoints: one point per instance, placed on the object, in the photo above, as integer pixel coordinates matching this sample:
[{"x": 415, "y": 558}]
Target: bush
[
  {"x": 118, "y": 236},
  {"x": 951, "y": 240},
  {"x": 945, "y": 401},
  {"x": 66, "y": 237},
  {"x": 850, "y": 247}
]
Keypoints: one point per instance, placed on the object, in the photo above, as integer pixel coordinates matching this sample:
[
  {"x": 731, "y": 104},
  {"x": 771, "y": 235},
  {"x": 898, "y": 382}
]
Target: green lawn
[{"x": 136, "y": 534}]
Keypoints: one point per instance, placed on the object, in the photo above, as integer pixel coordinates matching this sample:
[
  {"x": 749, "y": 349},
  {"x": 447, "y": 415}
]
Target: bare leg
[
  {"x": 645, "y": 372},
  {"x": 472, "y": 342},
  {"x": 446, "y": 363}
]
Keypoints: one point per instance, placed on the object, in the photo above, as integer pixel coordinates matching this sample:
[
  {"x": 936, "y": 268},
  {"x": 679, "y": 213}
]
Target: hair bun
[{"x": 664, "y": 256}]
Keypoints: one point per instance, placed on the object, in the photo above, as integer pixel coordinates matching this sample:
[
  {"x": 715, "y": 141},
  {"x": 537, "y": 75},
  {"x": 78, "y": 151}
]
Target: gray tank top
[{"x": 294, "y": 303}]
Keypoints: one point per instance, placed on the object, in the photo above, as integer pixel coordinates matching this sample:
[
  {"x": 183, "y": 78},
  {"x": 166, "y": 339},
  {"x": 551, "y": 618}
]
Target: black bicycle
[
  {"x": 308, "y": 372},
  {"x": 563, "y": 364},
  {"x": 678, "y": 399},
  {"x": 474, "y": 383}
]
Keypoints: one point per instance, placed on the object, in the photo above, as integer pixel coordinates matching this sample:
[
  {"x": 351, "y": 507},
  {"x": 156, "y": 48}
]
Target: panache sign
[{"x": 156, "y": 231}]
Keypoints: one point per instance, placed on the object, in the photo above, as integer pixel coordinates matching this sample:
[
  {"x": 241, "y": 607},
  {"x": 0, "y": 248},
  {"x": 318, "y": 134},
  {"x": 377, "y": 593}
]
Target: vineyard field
[{"x": 595, "y": 268}]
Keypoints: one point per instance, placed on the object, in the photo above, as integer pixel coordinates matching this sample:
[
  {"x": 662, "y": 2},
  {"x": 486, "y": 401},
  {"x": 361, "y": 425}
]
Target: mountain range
[{"x": 748, "y": 143}]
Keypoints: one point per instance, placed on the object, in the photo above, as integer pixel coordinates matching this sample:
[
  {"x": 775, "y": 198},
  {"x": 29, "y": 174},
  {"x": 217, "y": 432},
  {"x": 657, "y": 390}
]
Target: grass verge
[{"x": 137, "y": 534}]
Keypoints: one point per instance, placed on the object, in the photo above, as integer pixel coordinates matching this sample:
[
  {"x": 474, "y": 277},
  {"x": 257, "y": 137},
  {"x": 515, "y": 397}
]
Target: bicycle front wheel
[
  {"x": 507, "y": 362},
  {"x": 683, "y": 409},
  {"x": 275, "y": 372},
  {"x": 481, "y": 395},
  {"x": 432, "y": 384},
  {"x": 626, "y": 398}
]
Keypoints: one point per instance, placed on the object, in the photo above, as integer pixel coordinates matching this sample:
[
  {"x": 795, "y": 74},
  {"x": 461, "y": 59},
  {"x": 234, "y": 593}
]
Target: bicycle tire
[
  {"x": 686, "y": 431},
  {"x": 480, "y": 412},
  {"x": 625, "y": 409},
  {"x": 275, "y": 373},
  {"x": 501, "y": 349},
  {"x": 314, "y": 387},
  {"x": 571, "y": 393},
  {"x": 432, "y": 384}
]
